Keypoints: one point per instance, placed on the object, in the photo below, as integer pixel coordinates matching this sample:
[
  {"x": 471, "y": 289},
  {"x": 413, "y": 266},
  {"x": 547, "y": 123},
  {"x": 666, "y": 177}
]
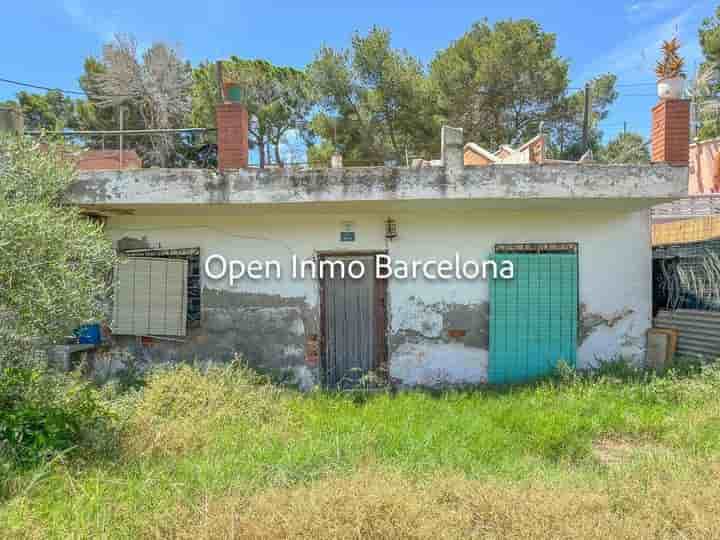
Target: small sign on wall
[{"x": 347, "y": 233}]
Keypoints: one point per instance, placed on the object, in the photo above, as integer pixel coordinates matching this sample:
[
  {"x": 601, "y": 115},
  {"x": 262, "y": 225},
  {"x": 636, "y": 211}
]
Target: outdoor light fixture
[{"x": 390, "y": 228}]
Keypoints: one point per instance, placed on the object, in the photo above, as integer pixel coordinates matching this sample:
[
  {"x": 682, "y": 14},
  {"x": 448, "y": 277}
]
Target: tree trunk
[
  {"x": 278, "y": 160},
  {"x": 261, "y": 149}
]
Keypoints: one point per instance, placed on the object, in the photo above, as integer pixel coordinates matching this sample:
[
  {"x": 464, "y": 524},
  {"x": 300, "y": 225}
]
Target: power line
[
  {"x": 39, "y": 87},
  {"x": 637, "y": 84},
  {"x": 50, "y": 89}
]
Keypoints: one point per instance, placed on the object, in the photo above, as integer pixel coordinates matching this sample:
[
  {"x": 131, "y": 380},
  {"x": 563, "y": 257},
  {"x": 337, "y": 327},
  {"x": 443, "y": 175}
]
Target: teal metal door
[{"x": 533, "y": 317}]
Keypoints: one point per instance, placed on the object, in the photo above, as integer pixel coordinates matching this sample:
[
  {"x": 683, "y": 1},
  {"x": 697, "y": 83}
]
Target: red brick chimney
[
  {"x": 671, "y": 132},
  {"x": 232, "y": 135}
]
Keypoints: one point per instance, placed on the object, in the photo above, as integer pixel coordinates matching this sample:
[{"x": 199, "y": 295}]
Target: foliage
[
  {"x": 672, "y": 63},
  {"x": 55, "y": 260},
  {"x": 705, "y": 87},
  {"x": 564, "y": 123},
  {"x": 93, "y": 114},
  {"x": 709, "y": 35},
  {"x": 499, "y": 82},
  {"x": 278, "y": 100},
  {"x": 320, "y": 153},
  {"x": 709, "y": 129},
  {"x": 502, "y": 83},
  {"x": 43, "y": 413},
  {"x": 158, "y": 85},
  {"x": 51, "y": 111},
  {"x": 625, "y": 148},
  {"x": 377, "y": 103}
]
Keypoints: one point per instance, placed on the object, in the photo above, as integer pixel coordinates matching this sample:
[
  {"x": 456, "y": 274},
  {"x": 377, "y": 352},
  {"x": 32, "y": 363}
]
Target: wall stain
[
  {"x": 268, "y": 331},
  {"x": 128, "y": 242},
  {"x": 590, "y": 321},
  {"x": 433, "y": 323}
]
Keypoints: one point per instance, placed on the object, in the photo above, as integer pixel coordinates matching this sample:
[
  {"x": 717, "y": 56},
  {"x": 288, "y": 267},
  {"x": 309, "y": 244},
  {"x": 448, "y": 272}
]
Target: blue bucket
[{"x": 89, "y": 334}]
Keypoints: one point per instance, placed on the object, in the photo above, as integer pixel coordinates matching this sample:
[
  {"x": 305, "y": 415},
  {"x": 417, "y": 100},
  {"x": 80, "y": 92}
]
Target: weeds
[
  {"x": 225, "y": 453},
  {"x": 43, "y": 413},
  {"x": 182, "y": 409}
]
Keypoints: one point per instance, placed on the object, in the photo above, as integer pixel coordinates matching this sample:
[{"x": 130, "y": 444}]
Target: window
[
  {"x": 192, "y": 256},
  {"x": 150, "y": 297}
]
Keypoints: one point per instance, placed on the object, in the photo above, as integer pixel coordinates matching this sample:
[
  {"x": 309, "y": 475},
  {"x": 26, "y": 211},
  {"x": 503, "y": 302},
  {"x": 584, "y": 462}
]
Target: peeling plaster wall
[
  {"x": 437, "y": 330},
  {"x": 614, "y": 288}
]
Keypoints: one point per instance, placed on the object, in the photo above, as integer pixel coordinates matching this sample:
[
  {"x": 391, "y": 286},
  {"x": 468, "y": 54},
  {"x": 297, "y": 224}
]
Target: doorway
[
  {"x": 534, "y": 316},
  {"x": 353, "y": 318}
]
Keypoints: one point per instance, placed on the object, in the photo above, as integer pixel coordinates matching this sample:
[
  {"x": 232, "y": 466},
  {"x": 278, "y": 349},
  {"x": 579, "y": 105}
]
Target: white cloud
[
  {"x": 643, "y": 10},
  {"x": 103, "y": 26},
  {"x": 633, "y": 60}
]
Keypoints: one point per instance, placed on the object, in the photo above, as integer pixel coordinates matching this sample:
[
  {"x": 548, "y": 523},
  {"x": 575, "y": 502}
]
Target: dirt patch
[{"x": 611, "y": 451}]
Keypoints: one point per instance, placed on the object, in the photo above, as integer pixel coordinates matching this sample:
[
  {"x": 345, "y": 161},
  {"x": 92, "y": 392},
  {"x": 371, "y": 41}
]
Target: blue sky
[{"x": 46, "y": 42}]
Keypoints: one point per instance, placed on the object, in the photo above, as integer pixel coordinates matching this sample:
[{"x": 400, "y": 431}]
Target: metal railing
[
  {"x": 689, "y": 207},
  {"x": 174, "y": 147}
]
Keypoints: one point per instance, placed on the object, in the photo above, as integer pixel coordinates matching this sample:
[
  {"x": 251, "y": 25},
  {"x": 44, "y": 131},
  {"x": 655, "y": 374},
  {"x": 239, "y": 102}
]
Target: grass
[{"x": 222, "y": 454}]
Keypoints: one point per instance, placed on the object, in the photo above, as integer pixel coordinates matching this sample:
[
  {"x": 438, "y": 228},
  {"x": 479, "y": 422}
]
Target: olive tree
[{"x": 55, "y": 260}]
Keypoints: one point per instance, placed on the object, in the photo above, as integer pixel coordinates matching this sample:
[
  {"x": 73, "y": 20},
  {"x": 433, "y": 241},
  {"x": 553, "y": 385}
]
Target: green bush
[{"x": 43, "y": 413}]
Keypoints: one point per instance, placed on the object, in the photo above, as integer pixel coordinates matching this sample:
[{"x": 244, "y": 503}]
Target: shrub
[
  {"x": 182, "y": 408},
  {"x": 55, "y": 259},
  {"x": 43, "y": 413}
]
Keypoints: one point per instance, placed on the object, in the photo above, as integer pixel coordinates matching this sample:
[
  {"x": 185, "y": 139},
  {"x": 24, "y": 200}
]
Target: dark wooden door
[{"x": 353, "y": 319}]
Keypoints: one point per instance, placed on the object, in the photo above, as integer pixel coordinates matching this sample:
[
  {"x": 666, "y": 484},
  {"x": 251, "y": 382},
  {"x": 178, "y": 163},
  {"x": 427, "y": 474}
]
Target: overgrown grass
[{"x": 226, "y": 454}]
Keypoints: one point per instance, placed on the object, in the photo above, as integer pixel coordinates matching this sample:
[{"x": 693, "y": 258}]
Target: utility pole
[
  {"x": 219, "y": 76},
  {"x": 624, "y": 128},
  {"x": 586, "y": 119},
  {"x": 121, "y": 112}
]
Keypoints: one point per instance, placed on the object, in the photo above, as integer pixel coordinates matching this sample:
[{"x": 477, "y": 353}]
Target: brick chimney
[
  {"x": 232, "y": 135},
  {"x": 671, "y": 132}
]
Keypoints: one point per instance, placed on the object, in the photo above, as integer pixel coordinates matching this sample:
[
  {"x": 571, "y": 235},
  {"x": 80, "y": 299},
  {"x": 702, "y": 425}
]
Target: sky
[{"x": 45, "y": 42}]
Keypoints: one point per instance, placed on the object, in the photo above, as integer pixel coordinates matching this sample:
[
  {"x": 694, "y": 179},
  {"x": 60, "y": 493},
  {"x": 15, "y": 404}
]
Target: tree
[
  {"x": 564, "y": 122},
  {"x": 378, "y": 103},
  {"x": 500, "y": 83},
  {"x": 625, "y": 148},
  {"x": 94, "y": 116},
  {"x": 709, "y": 34},
  {"x": 52, "y": 273},
  {"x": 51, "y": 111},
  {"x": 705, "y": 88},
  {"x": 278, "y": 99},
  {"x": 158, "y": 85}
]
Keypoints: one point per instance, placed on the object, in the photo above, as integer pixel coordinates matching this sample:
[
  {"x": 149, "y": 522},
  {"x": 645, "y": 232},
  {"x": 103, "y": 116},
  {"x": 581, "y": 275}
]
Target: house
[
  {"x": 98, "y": 160},
  {"x": 704, "y": 167},
  {"x": 533, "y": 151},
  {"x": 686, "y": 257},
  {"x": 214, "y": 263}
]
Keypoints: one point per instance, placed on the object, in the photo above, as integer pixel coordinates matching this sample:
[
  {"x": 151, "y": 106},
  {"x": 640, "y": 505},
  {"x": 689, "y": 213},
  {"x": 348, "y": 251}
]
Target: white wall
[{"x": 614, "y": 269}]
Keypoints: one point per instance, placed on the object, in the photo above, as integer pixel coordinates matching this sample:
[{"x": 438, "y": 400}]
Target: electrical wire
[
  {"x": 39, "y": 87},
  {"x": 50, "y": 89}
]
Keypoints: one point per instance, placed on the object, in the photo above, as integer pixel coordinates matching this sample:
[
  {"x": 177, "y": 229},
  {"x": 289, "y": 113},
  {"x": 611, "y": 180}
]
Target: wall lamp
[{"x": 391, "y": 230}]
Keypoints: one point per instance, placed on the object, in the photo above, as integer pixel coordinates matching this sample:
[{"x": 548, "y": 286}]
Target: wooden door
[{"x": 353, "y": 323}]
